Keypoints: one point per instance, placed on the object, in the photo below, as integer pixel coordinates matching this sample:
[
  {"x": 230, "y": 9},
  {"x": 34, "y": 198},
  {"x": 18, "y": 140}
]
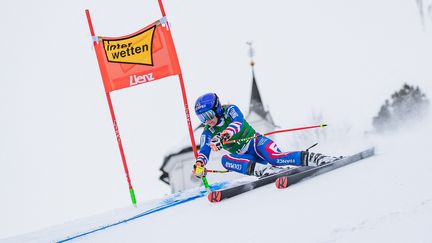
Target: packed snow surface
[{"x": 385, "y": 198}]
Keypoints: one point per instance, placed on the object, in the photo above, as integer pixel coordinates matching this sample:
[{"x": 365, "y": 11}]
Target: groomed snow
[{"x": 385, "y": 198}]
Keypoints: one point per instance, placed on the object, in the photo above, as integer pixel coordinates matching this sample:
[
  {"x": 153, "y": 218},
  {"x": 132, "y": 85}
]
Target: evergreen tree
[
  {"x": 407, "y": 105},
  {"x": 383, "y": 119}
]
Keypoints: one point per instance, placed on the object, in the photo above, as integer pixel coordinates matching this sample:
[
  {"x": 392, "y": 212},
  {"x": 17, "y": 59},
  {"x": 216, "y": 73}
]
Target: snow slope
[
  {"x": 386, "y": 198},
  {"x": 58, "y": 153}
]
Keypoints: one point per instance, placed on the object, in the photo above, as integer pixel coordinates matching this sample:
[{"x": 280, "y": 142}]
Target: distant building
[{"x": 177, "y": 166}]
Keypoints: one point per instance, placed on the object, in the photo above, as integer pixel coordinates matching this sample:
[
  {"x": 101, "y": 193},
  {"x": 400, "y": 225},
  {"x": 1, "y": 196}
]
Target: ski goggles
[{"x": 206, "y": 116}]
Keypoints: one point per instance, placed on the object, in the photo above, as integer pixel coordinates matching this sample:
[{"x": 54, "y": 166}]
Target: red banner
[{"x": 138, "y": 58}]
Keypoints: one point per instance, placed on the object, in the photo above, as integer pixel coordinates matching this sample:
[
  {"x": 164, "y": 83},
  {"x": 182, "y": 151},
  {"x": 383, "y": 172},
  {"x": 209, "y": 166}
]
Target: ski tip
[
  {"x": 214, "y": 196},
  {"x": 282, "y": 182}
]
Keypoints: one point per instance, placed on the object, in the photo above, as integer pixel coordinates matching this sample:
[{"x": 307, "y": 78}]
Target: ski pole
[
  {"x": 203, "y": 178},
  {"x": 218, "y": 171},
  {"x": 278, "y": 131}
]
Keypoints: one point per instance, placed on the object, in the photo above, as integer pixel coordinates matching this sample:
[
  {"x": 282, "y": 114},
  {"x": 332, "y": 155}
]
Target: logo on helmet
[{"x": 198, "y": 107}]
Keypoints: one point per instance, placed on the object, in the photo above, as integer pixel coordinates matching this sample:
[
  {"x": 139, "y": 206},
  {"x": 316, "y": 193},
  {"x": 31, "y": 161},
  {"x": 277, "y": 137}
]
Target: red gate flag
[{"x": 144, "y": 56}]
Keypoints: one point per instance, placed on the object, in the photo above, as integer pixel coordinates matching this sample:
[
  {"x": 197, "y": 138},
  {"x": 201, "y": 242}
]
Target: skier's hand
[
  {"x": 199, "y": 170},
  {"x": 216, "y": 143},
  {"x": 226, "y": 135}
]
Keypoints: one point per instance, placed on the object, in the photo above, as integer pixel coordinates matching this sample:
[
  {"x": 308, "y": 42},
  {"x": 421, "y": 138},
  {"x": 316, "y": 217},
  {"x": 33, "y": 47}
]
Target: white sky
[{"x": 58, "y": 152}]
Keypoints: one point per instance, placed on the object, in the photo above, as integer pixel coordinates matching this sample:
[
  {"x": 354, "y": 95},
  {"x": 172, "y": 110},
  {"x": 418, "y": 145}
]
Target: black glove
[
  {"x": 216, "y": 143},
  {"x": 226, "y": 135}
]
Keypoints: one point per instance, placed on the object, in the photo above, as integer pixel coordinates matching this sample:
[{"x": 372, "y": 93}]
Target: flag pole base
[{"x": 133, "y": 198}]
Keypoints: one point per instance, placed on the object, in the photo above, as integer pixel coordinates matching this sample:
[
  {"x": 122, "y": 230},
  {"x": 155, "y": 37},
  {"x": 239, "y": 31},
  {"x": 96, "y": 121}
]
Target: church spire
[{"x": 256, "y": 104}]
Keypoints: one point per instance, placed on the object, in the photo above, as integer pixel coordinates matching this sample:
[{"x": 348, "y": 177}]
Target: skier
[{"x": 258, "y": 156}]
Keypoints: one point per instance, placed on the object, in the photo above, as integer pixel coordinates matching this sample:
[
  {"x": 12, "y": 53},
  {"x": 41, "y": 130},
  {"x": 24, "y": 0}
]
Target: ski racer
[{"x": 258, "y": 156}]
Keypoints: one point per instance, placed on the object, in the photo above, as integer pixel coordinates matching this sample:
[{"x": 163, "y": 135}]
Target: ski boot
[
  {"x": 260, "y": 170},
  {"x": 316, "y": 159}
]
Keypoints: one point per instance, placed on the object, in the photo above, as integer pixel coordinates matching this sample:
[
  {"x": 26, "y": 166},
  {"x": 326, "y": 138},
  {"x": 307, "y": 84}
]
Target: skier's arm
[
  {"x": 236, "y": 125},
  {"x": 204, "y": 152},
  {"x": 203, "y": 155}
]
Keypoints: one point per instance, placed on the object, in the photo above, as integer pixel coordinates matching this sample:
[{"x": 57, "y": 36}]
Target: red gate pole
[
  {"x": 116, "y": 130},
  {"x": 186, "y": 106}
]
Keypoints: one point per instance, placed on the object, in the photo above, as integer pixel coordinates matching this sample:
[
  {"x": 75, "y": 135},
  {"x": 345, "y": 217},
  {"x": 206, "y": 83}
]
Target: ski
[
  {"x": 218, "y": 195},
  {"x": 286, "y": 180},
  {"x": 292, "y": 176}
]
